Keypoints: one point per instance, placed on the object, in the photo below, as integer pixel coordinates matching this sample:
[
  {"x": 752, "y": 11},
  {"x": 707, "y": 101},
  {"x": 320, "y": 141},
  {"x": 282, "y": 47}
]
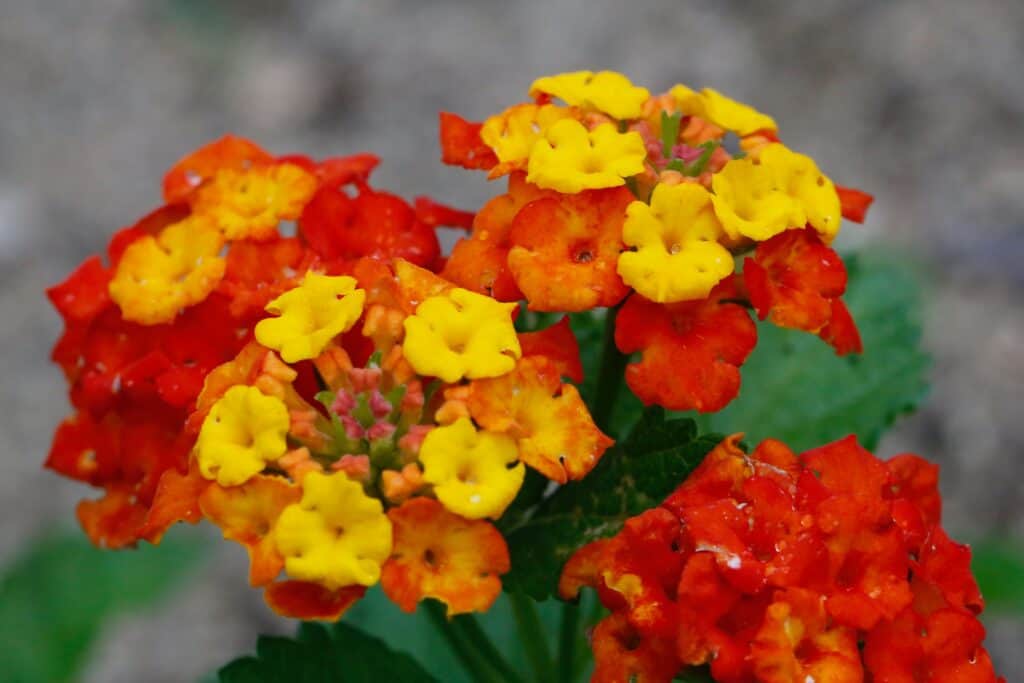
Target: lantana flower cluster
[
  {"x": 772, "y": 567},
  {"x": 326, "y": 399},
  {"x": 620, "y": 198}
]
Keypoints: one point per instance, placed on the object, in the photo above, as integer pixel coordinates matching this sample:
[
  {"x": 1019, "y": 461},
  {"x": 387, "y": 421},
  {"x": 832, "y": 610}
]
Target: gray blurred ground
[{"x": 921, "y": 103}]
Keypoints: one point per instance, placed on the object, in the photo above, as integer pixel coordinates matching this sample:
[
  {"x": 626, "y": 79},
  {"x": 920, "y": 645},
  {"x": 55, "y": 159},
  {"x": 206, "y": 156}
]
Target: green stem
[
  {"x": 532, "y": 635},
  {"x": 482, "y": 643},
  {"x": 610, "y": 374},
  {"x": 471, "y": 659},
  {"x": 568, "y": 637}
]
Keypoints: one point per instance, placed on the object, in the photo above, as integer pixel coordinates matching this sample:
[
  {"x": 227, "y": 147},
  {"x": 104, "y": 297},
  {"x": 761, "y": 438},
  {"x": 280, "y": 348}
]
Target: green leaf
[
  {"x": 631, "y": 477},
  {"x": 56, "y": 596},
  {"x": 797, "y": 390},
  {"x": 998, "y": 566},
  {"x": 669, "y": 132},
  {"x": 320, "y": 653}
]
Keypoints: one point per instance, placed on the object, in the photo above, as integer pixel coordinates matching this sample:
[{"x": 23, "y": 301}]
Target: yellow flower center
[
  {"x": 158, "y": 276},
  {"x": 244, "y": 430},
  {"x": 475, "y": 474},
  {"x": 311, "y": 315},
  {"x": 571, "y": 159},
  {"x": 336, "y": 535},
  {"x": 461, "y": 334},
  {"x": 678, "y": 256}
]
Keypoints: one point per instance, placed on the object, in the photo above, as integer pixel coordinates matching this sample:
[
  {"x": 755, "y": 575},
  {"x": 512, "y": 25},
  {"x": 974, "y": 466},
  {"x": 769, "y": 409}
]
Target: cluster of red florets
[
  {"x": 830, "y": 566},
  {"x": 133, "y": 383}
]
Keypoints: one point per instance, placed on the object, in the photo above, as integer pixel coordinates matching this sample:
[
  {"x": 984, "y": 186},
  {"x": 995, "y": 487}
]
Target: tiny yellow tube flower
[
  {"x": 571, "y": 159},
  {"x": 798, "y": 176},
  {"x": 251, "y": 203},
  {"x": 158, "y": 276},
  {"x": 608, "y": 92},
  {"x": 471, "y": 471},
  {"x": 311, "y": 315},
  {"x": 749, "y": 202},
  {"x": 724, "y": 112},
  {"x": 513, "y": 133},
  {"x": 244, "y": 430},
  {"x": 678, "y": 256},
  {"x": 461, "y": 334},
  {"x": 336, "y": 535}
]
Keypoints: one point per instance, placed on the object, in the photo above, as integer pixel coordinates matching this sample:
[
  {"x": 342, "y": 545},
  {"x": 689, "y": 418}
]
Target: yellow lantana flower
[
  {"x": 244, "y": 430},
  {"x": 311, "y": 315},
  {"x": 513, "y": 133},
  {"x": 724, "y": 112},
  {"x": 678, "y": 256},
  {"x": 606, "y": 91},
  {"x": 158, "y": 276},
  {"x": 461, "y": 334},
  {"x": 749, "y": 202},
  {"x": 336, "y": 535},
  {"x": 571, "y": 159},
  {"x": 470, "y": 470},
  {"x": 251, "y": 203},
  {"x": 780, "y": 189},
  {"x": 798, "y": 176}
]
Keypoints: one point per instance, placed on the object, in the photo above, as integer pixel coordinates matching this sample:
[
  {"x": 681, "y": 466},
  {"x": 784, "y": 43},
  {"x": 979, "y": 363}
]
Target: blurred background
[{"x": 920, "y": 103}]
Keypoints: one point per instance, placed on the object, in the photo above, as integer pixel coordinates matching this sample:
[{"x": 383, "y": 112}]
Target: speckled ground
[{"x": 921, "y": 103}]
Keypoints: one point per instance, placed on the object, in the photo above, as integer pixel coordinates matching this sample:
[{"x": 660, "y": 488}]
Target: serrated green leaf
[
  {"x": 57, "y": 595},
  {"x": 797, "y": 390},
  {"x": 318, "y": 653},
  {"x": 998, "y": 566},
  {"x": 631, "y": 477}
]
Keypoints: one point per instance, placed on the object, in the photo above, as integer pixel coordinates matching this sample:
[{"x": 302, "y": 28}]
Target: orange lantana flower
[
  {"x": 438, "y": 554},
  {"x": 566, "y": 250},
  {"x": 246, "y": 514},
  {"x": 554, "y": 430},
  {"x": 691, "y": 351}
]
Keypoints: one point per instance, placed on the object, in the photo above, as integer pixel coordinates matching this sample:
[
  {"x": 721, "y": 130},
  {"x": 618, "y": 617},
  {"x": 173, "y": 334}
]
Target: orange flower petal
[
  {"x": 176, "y": 500},
  {"x": 305, "y": 600},
  {"x": 246, "y": 514},
  {"x": 558, "y": 344},
  {"x": 854, "y": 203},
  {"x": 621, "y": 654},
  {"x": 113, "y": 521},
  {"x": 461, "y": 144},
  {"x": 691, "y": 351},
  {"x": 440, "y": 555},
  {"x": 555, "y": 433},
  {"x": 229, "y": 151},
  {"x": 566, "y": 248}
]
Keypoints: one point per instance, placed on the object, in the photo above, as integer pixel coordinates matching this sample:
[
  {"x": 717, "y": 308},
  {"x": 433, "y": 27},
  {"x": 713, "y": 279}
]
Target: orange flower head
[
  {"x": 438, "y": 554},
  {"x": 566, "y": 249}
]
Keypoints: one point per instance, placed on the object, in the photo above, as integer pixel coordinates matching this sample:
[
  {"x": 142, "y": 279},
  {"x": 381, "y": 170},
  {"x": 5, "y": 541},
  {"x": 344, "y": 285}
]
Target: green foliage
[
  {"x": 998, "y": 566},
  {"x": 631, "y": 477},
  {"x": 56, "y": 596},
  {"x": 797, "y": 390},
  {"x": 320, "y": 653}
]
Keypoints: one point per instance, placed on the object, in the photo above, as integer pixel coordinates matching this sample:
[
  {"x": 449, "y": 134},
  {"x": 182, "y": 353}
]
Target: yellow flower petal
[
  {"x": 749, "y": 202},
  {"x": 461, "y": 334},
  {"x": 512, "y": 133},
  {"x": 470, "y": 469},
  {"x": 158, "y": 276},
  {"x": 724, "y": 112},
  {"x": 336, "y": 535},
  {"x": 799, "y": 176},
  {"x": 244, "y": 430},
  {"x": 678, "y": 256},
  {"x": 606, "y": 91},
  {"x": 311, "y": 315},
  {"x": 571, "y": 159}
]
